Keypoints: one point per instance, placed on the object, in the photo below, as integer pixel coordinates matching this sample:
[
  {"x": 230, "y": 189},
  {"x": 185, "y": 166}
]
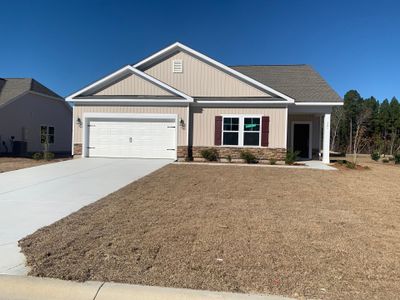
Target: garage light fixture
[
  {"x": 182, "y": 123},
  {"x": 79, "y": 122}
]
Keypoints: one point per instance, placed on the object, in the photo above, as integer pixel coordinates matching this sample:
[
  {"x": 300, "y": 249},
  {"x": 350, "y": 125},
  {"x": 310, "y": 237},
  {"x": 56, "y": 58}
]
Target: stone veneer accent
[
  {"x": 261, "y": 153},
  {"x": 77, "y": 149},
  {"x": 182, "y": 153}
]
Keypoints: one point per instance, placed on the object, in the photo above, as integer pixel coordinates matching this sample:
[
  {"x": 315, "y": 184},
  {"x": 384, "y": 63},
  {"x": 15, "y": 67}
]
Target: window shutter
[
  {"x": 265, "y": 131},
  {"x": 218, "y": 130}
]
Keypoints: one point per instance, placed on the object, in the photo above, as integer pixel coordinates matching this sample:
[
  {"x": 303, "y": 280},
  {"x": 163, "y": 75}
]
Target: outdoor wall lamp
[
  {"x": 79, "y": 122},
  {"x": 182, "y": 123}
]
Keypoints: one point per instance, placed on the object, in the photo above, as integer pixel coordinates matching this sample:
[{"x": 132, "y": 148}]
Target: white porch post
[{"x": 327, "y": 139}]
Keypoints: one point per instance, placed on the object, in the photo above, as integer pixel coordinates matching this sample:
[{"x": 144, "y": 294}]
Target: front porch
[{"x": 308, "y": 132}]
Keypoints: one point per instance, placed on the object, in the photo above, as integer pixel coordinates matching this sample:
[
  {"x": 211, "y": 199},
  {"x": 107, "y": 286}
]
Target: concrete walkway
[
  {"x": 32, "y": 288},
  {"x": 35, "y": 197}
]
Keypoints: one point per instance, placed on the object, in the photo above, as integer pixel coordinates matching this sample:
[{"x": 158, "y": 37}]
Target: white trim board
[
  {"x": 178, "y": 45},
  {"x": 133, "y": 70},
  {"x": 310, "y": 123},
  {"x": 319, "y": 103}
]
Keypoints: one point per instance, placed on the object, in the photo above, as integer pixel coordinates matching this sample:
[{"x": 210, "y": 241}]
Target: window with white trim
[
  {"x": 241, "y": 131},
  {"x": 47, "y": 134},
  {"x": 230, "y": 131}
]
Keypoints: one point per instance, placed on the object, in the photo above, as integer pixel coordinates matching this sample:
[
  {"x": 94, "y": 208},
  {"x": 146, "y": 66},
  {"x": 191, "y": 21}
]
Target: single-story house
[
  {"x": 177, "y": 102},
  {"x": 31, "y": 115}
]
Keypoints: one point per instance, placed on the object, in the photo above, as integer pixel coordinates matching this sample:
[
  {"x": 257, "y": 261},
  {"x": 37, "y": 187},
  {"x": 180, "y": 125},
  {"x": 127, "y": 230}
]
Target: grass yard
[
  {"x": 300, "y": 233},
  {"x": 15, "y": 163}
]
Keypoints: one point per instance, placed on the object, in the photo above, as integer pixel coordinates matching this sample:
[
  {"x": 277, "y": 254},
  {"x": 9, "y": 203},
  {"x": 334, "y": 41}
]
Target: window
[
  {"x": 241, "y": 131},
  {"x": 231, "y": 131},
  {"x": 251, "y": 135},
  {"x": 46, "y": 134}
]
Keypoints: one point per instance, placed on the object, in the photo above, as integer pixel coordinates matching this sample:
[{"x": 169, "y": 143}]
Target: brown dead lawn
[
  {"x": 294, "y": 232},
  {"x": 15, "y": 163}
]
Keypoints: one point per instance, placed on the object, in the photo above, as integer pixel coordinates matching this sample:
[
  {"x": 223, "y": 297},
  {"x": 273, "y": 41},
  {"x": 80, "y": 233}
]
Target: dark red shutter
[
  {"x": 264, "y": 131},
  {"x": 218, "y": 130}
]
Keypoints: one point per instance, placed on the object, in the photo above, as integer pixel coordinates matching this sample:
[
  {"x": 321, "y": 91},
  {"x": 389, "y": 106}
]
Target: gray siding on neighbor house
[{"x": 23, "y": 117}]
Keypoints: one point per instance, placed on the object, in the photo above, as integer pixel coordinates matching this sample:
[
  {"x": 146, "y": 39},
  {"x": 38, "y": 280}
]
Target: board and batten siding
[
  {"x": 203, "y": 119},
  {"x": 200, "y": 79},
  {"x": 133, "y": 85},
  {"x": 181, "y": 111}
]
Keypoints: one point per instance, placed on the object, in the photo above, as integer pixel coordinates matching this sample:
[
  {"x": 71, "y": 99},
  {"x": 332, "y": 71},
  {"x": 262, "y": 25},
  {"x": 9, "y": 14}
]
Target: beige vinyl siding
[
  {"x": 204, "y": 123},
  {"x": 133, "y": 85},
  {"x": 181, "y": 111},
  {"x": 315, "y": 119},
  {"x": 201, "y": 79}
]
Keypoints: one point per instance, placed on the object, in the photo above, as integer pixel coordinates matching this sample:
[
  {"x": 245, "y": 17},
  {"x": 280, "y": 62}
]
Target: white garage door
[{"x": 143, "y": 138}]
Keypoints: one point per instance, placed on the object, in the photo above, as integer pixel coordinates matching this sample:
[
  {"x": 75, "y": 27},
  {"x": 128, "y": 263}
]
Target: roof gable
[
  {"x": 134, "y": 85},
  {"x": 127, "y": 83},
  {"x": 201, "y": 79},
  {"x": 148, "y": 64}
]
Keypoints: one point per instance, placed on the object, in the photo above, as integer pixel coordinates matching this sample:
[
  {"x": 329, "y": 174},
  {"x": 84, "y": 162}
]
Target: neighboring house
[
  {"x": 178, "y": 101},
  {"x": 30, "y": 114}
]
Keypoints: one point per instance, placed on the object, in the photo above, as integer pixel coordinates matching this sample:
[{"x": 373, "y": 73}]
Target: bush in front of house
[
  {"x": 385, "y": 160},
  {"x": 397, "y": 158},
  {"x": 48, "y": 155},
  {"x": 209, "y": 154},
  {"x": 350, "y": 165},
  {"x": 37, "y": 156},
  {"x": 248, "y": 157},
  {"x": 375, "y": 155},
  {"x": 291, "y": 157},
  {"x": 272, "y": 161},
  {"x": 229, "y": 158}
]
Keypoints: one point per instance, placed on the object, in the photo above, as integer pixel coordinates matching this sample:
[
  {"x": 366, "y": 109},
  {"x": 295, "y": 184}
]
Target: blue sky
[{"x": 68, "y": 44}]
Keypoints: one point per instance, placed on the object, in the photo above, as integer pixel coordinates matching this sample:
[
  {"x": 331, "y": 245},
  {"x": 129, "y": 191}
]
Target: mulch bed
[{"x": 294, "y": 232}]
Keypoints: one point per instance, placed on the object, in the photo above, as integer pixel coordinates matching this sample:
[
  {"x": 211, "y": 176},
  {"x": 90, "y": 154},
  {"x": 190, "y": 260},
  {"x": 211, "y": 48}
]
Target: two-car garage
[{"x": 135, "y": 136}]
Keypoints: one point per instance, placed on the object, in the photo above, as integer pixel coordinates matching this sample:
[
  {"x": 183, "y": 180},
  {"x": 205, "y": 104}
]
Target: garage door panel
[{"x": 132, "y": 138}]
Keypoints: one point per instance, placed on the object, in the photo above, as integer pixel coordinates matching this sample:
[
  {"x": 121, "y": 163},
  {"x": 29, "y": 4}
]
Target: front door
[{"x": 301, "y": 139}]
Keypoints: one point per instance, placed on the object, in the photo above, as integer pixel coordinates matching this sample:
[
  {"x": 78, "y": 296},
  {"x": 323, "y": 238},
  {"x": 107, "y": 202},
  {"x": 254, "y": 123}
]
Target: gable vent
[{"x": 177, "y": 66}]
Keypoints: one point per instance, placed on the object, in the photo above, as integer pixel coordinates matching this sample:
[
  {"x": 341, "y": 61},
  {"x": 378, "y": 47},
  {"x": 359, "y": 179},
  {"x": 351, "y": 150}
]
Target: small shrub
[
  {"x": 210, "y": 154},
  {"x": 397, "y": 158},
  {"x": 229, "y": 158},
  {"x": 350, "y": 165},
  {"x": 385, "y": 160},
  {"x": 272, "y": 161},
  {"x": 375, "y": 155},
  {"x": 37, "y": 156},
  {"x": 48, "y": 155},
  {"x": 248, "y": 157},
  {"x": 391, "y": 158},
  {"x": 291, "y": 157}
]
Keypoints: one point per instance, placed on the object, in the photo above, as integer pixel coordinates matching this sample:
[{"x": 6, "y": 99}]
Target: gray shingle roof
[
  {"x": 13, "y": 87},
  {"x": 300, "y": 82}
]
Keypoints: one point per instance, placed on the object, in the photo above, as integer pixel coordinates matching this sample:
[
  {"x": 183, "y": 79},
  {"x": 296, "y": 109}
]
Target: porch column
[{"x": 327, "y": 139}]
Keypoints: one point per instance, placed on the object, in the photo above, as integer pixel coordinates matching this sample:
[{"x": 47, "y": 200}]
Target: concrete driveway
[{"x": 35, "y": 197}]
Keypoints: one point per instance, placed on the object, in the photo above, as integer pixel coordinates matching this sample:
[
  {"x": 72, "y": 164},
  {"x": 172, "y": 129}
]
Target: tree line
[{"x": 366, "y": 125}]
